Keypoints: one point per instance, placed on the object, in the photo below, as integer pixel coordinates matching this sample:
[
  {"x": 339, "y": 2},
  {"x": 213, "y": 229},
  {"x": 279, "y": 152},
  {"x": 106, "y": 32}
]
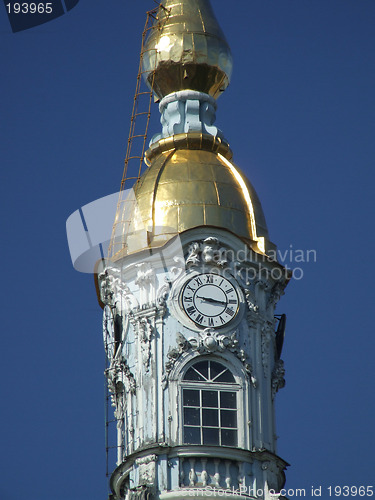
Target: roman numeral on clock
[
  {"x": 199, "y": 319},
  {"x": 191, "y": 310}
]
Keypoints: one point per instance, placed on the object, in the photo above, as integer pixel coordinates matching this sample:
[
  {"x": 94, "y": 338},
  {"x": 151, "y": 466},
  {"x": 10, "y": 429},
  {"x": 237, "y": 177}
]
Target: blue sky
[{"x": 299, "y": 115}]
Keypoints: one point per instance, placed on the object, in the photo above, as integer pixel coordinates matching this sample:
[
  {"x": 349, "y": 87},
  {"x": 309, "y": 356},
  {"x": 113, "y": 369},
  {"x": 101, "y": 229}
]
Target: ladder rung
[
  {"x": 135, "y": 170},
  {"x": 143, "y": 51}
]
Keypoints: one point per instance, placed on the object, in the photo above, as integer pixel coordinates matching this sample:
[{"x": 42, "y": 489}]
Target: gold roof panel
[
  {"x": 187, "y": 188},
  {"x": 187, "y": 49}
]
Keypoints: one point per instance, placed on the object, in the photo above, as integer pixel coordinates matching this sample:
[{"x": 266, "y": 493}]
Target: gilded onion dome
[{"x": 188, "y": 50}]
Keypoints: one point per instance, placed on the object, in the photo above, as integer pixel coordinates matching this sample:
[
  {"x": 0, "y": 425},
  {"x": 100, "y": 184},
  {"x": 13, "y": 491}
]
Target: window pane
[
  {"x": 215, "y": 369},
  {"x": 192, "y": 435},
  {"x": 223, "y": 372},
  {"x": 191, "y": 397},
  {"x": 192, "y": 416},
  {"x": 225, "y": 377},
  {"x": 209, "y": 398},
  {"x": 228, "y": 437},
  {"x": 210, "y": 436},
  {"x": 202, "y": 368},
  {"x": 210, "y": 418},
  {"x": 228, "y": 400},
  {"x": 228, "y": 418},
  {"x": 192, "y": 374}
]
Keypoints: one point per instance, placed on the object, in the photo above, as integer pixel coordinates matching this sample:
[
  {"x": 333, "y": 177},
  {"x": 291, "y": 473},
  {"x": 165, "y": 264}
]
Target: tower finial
[{"x": 189, "y": 51}]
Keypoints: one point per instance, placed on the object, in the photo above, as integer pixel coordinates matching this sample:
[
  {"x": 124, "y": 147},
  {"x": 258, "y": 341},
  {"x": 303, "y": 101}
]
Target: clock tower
[{"x": 189, "y": 292}]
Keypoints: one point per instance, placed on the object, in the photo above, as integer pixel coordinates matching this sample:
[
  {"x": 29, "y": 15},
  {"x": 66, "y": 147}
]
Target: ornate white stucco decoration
[
  {"x": 193, "y": 257},
  {"x": 278, "y": 380},
  {"x": 106, "y": 281},
  {"x": 113, "y": 290},
  {"x": 212, "y": 253},
  {"x": 130, "y": 300},
  {"x": 182, "y": 346},
  {"x": 267, "y": 334},
  {"x": 146, "y": 281},
  {"x": 119, "y": 371},
  {"x": 261, "y": 284},
  {"x": 209, "y": 341},
  {"x": 174, "y": 273},
  {"x": 145, "y": 274},
  {"x": 162, "y": 295},
  {"x": 146, "y": 470},
  {"x": 207, "y": 251},
  {"x": 251, "y": 301},
  {"x": 187, "y": 111},
  {"x": 145, "y": 331},
  {"x": 120, "y": 383},
  {"x": 276, "y": 293}
]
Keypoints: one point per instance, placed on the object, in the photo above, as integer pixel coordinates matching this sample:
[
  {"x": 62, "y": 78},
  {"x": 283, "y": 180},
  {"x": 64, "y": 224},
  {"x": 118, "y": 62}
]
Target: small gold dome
[
  {"x": 189, "y": 51},
  {"x": 186, "y": 188}
]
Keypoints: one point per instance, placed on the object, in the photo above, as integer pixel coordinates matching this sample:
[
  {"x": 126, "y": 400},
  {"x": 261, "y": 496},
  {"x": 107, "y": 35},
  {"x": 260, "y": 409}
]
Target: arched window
[{"x": 209, "y": 400}]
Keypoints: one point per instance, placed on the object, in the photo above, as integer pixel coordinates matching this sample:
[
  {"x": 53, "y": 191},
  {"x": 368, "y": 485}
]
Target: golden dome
[
  {"x": 187, "y": 49},
  {"x": 188, "y": 187}
]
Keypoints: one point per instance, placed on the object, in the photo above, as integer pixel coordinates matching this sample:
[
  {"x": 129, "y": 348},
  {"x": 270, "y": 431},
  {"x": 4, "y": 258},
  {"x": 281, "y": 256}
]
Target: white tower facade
[{"x": 189, "y": 295}]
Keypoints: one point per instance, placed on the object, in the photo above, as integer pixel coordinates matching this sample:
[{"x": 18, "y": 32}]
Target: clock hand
[{"x": 208, "y": 299}]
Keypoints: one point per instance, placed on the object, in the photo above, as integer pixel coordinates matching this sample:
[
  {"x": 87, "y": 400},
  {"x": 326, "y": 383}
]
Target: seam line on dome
[{"x": 157, "y": 184}]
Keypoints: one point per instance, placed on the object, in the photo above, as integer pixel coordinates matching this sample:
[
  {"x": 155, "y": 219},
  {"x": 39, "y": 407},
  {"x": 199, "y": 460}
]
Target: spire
[
  {"x": 188, "y": 51},
  {"x": 191, "y": 181}
]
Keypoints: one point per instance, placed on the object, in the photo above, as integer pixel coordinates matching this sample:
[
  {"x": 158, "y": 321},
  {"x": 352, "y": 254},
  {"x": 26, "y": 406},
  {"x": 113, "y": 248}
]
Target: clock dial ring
[{"x": 210, "y": 300}]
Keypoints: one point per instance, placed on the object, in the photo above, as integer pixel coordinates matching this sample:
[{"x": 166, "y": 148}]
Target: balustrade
[{"x": 202, "y": 472}]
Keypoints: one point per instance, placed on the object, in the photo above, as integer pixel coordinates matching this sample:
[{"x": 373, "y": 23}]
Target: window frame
[{"x": 235, "y": 387}]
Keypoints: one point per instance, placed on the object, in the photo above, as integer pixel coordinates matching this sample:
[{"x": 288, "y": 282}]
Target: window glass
[
  {"x": 202, "y": 368},
  {"x": 210, "y": 408},
  {"x": 218, "y": 373},
  {"x": 225, "y": 376},
  {"x": 210, "y": 418},
  {"x": 191, "y": 398},
  {"x": 192, "y": 416},
  {"x": 228, "y": 437},
  {"x": 192, "y": 435},
  {"x": 228, "y": 418},
  {"x": 227, "y": 400},
  {"x": 210, "y": 399},
  {"x": 210, "y": 436},
  {"x": 192, "y": 374}
]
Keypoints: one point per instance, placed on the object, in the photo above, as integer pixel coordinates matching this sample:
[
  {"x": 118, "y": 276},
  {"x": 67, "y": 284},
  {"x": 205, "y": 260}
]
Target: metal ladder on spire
[
  {"x": 139, "y": 122},
  {"x": 116, "y": 448}
]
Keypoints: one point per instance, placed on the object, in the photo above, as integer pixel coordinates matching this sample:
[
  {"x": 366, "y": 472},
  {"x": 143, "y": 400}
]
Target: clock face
[
  {"x": 108, "y": 332},
  {"x": 210, "y": 300}
]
